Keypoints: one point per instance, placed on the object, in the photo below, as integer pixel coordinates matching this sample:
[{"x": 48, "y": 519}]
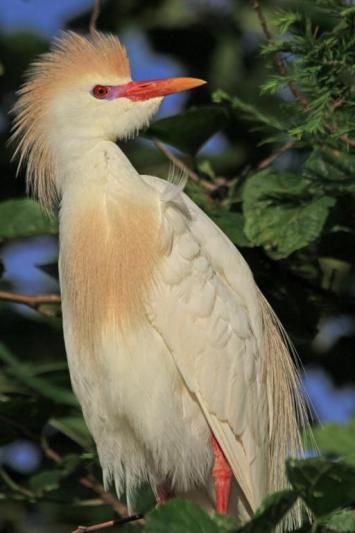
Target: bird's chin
[{"x": 138, "y": 117}]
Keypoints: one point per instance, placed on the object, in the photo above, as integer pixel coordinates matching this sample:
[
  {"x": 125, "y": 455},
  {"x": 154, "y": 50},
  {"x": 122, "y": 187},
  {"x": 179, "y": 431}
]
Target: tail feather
[{"x": 286, "y": 405}]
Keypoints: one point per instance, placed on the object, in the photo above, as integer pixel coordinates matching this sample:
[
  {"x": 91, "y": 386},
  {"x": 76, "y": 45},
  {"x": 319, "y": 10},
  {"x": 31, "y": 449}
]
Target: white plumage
[{"x": 167, "y": 336}]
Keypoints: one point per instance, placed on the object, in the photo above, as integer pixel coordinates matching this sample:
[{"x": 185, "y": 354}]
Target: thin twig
[
  {"x": 279, "y": 63},
  {"x": 33, "y": 301},
  {"x": 13, "y": 485},
  {"x": 94, "y": 16},
  {"x": 48, "y": 451},
  {"x": 345, "y": 138},
  {"x": 109, "y": 523},
  {"x": 220, "y": 182},
  {"x": 91, "y": 483},
  {"x": 274, "y": 155},
  {"x": 183, "y": 167},
  {"x": 280, "y": 66}
]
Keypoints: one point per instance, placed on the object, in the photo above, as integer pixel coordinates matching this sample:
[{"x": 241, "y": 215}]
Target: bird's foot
[{"x": 222, "y": 476}]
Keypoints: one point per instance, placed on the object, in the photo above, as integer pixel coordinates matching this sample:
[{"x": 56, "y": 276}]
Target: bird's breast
[{"x": 107, "y": 261}]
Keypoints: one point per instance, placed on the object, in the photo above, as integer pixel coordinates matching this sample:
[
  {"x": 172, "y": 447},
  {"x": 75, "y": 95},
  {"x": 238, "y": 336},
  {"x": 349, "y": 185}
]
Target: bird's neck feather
[
  {"x": 90, "y": 163},
  {"x": 109, "y": 243}
]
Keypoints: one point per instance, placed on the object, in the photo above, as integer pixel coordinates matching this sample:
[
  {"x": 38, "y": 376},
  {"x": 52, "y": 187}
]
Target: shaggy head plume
[{"x": 71, "y": 57}]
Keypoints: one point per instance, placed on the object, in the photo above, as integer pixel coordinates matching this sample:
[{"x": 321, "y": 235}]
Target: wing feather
[
  {"x": 205, "y": 320},
  {"x": 228, "y": 346}
]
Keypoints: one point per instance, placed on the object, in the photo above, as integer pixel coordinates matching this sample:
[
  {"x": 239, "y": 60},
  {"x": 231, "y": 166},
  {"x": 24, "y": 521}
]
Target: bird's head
[{"x": 81, "y": 90}]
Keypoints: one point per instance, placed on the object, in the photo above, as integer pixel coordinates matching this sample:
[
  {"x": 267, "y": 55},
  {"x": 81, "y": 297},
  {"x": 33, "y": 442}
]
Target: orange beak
[{"x": 144, "y": 90}]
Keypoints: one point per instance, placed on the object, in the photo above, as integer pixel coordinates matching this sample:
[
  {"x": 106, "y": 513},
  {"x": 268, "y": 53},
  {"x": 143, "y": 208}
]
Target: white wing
[{"x": 205, "y": 306}]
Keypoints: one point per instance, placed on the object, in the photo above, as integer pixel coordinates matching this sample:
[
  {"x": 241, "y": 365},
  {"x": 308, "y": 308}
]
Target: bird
[{"x": 182, "y": 369}]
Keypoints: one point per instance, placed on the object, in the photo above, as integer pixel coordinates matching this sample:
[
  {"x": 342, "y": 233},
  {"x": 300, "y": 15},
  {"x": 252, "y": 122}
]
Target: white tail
[{"x": 288, "y": 413}]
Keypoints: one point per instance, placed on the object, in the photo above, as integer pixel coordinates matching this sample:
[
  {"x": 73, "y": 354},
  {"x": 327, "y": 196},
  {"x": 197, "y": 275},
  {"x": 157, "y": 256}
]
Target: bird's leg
[
  {"x": 164, "y": 493},
  {"x": 222, "y": 477}
]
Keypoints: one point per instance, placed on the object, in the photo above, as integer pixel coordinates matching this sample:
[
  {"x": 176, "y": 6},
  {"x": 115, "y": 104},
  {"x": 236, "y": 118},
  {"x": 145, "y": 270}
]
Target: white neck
[{"x": 90, "y": 164}]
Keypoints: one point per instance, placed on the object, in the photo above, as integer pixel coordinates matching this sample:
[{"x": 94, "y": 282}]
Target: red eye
[{"x": 100, "y": 91}]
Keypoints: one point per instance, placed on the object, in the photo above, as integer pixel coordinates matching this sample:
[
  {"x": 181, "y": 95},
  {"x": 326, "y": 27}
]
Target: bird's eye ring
[{"x": 100, "y": 91}]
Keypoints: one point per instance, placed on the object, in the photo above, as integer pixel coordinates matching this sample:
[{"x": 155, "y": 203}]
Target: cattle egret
[{"x": 178, "y": 362}]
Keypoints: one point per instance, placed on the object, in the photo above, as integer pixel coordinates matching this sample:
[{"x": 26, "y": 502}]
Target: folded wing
[{"x": 205, "y": 306}]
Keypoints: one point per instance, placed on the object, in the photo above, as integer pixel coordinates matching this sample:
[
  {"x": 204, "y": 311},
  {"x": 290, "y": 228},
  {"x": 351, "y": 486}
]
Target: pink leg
[
  {"x": 164, "y": 493},
  {"x": 222, "y": 476}
]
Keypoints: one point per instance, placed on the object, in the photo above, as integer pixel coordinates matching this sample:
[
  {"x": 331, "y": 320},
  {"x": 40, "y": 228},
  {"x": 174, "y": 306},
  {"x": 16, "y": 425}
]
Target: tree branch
[
  {"x": 91, "y": 483},
  {"x": 13, "y": 485},
  {"x": 279, "y": 63},
  {"x": 32, "y": 301},
  {"x": 280, "y": 66},
  {"x": 345, "y": 138},
  {"x": 183, "y": 167},
  {"x": 109, "y": 523},
  {"x": 274, "y": 155}
]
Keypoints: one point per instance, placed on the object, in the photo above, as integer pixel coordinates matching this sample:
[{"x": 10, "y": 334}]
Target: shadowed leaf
[
  {"x": 24, "y": 218},
  {"x": 324, "y": 485},
  {"x": 190, "y": 130},
  {"x": 271, "y": 511},
  {"x": 73, "y": 427},
  {"x": 340, "y": 521},
  {"x": 180, "y": 516}
]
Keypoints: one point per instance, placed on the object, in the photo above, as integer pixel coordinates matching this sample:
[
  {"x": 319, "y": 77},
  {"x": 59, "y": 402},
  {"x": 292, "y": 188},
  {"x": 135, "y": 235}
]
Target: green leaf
[
  {"x": 180, "y": 516},
  {"x": 337, "y": 439},
  {"x": 284, "y": 19},
  {"x": 8, "y": 385},
  {"x": 249, "y": 111},
  {"x": 341, "y": 521},
  {"x": 279, "y": 213},
  {"x": 41, "y": 386},
  {"x": 188, "y": 131},
  {"x": 73, "y": 427},
  {"x": 144, "y": 500},
  {"x": 24, "y": 218},
  {"x": 349, "y": 11},
  {"x": 232, "y": 224},
  {"x": 70, "y": 463},
  {"x": 334, "y": 172},
  {"x": 324, "y": 485},
  {"x": 271, "y": 511},
  {"x": 225, "y": 522},
  {"x": 45, "y": 481}
]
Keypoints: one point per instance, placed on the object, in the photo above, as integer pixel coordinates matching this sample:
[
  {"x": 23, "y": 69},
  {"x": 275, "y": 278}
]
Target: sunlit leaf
[
  {"x": 337, "y": 439},
  {"x": 280, "y": 215}
]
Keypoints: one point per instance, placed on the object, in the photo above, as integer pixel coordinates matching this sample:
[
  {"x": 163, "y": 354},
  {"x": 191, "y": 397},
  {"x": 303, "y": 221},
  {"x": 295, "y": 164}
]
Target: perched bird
[{"x": 177, "y": 359}]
